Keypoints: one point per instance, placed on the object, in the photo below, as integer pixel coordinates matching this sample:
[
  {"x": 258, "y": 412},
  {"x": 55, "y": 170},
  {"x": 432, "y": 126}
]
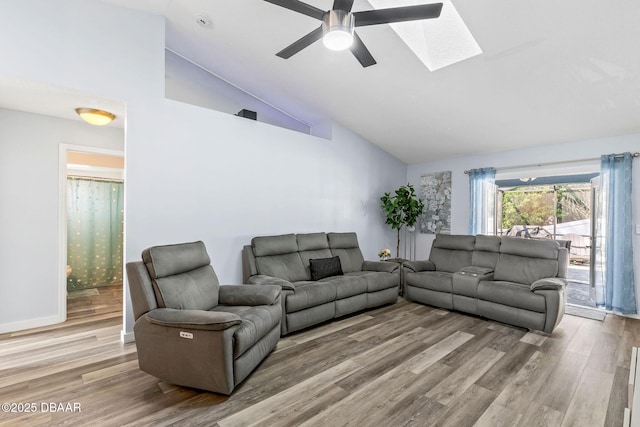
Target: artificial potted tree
[{"x": 403, "y": 208}]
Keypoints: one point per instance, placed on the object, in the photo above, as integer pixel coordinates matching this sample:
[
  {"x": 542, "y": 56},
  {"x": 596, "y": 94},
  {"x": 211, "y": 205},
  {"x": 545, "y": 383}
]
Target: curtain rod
[
  {"x": 553, "y": 163},
  {"x": 92, "y": 178}
]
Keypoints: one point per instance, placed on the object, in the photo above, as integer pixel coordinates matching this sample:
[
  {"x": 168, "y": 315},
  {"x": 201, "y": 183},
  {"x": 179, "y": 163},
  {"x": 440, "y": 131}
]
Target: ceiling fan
[{"x": 337, "y": 29}]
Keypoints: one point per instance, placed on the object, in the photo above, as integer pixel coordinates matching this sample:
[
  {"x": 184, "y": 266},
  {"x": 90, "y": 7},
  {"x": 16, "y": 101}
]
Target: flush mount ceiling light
[
  {"x": 95, "y": 117},
  {"x": 337, "y": 30}
]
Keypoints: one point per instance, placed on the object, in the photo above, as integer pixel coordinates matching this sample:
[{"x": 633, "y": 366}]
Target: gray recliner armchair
[{"x": 192, "y": 332}]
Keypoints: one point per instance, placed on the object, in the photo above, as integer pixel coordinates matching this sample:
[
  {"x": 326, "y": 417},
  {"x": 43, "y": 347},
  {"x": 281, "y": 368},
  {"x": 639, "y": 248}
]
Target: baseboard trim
[
  {"x": 127, "y": 337},
  {"x": 30, "y": 323}
]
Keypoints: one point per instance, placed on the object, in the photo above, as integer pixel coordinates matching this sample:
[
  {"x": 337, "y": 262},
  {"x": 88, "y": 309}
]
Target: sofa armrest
[
  {"x": 380, "y": 266},
  {"x": 249, "y": 295},
  {"x": 417, "y": 266},
  {"x": 261, "y": 279},
  {"x": 551, "y": 283},
  {"x": 555, "y": 301},
  {"x": 192, "y": 319}
]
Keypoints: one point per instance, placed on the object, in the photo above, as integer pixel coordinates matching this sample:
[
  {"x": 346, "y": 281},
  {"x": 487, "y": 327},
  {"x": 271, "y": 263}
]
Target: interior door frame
[{"x": 62, "y": 216}]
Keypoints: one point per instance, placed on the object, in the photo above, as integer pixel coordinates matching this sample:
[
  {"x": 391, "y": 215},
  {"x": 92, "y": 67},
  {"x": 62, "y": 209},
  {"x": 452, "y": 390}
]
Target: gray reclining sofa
[
  {"x": 516, "y": 281},
  {"x": 287, "y": 260}
]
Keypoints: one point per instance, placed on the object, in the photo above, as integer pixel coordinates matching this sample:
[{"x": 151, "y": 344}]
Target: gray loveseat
[
  {"x": 286, "y": 261},
  {"x": 517, "y": 281}
]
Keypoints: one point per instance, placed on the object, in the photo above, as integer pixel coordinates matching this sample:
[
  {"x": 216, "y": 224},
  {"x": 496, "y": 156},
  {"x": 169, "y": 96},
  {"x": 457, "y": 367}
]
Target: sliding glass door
[{"x": 559, "y": 209}]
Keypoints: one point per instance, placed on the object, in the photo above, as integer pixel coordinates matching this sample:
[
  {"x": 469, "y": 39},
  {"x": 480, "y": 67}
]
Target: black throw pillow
[{"x": 325, "y": 267}]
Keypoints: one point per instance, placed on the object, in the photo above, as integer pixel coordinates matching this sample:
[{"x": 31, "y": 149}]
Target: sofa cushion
[
  {"x": 325, "y": 267},
  {"x": 511, "y": 294},
  {"x": 309, "y": 294},
  {"x": 525, "y": 270},
  {"x": 378, "y": 281},
  {"x": 192, "y": 319},
  {"x": 345, "y": 245},
  {"x": 487, "y": 243},
  {"x": 285, "y": 266},
  {"x": 256, "y": 322},
  {"x": 308, "y": 255},
  {"x": 350, "y": 259},
  {"x": 450, "y": 260},
  {"x": 347, "y": 286},
  {"x": 485, "y": 259},
  {"x": 486, "y": 251},
  {"x": 434, "y": 280},
  {"x": 194, "y": 290},
  {"x": 274, "y": 245},
  {"x": 312, "y": 241},
  {"x": 181, "y": 276}
]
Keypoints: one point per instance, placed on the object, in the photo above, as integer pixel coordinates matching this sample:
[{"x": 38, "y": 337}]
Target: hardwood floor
[{"x": 400, "y": 365}]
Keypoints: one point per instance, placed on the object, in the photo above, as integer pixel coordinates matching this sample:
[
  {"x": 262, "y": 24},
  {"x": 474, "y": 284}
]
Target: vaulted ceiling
[{"x": 550, "y": 72}]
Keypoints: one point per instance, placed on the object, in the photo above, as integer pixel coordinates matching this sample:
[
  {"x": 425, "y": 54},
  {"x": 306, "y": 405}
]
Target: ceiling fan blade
[
  {"x": 298, "y": 6},
  {"x": 345, "y": 5},
  {"x": 361, "y": 52},
  {"x": 300, "y": 44},
  {"x": 397, "y": 14}
]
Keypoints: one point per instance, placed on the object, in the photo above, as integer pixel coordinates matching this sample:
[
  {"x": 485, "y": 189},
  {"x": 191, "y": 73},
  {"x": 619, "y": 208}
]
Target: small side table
[{"x": 401, "y": 284}]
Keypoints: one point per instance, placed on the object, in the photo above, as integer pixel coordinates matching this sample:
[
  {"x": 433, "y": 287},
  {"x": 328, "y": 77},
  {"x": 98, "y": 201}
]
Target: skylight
[{"x": 436, "y": 42}]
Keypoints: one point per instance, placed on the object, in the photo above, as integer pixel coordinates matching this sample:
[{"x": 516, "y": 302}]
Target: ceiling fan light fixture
[
  {"x": 337, "y": 30},
  {"x": 95, "y": 117}
]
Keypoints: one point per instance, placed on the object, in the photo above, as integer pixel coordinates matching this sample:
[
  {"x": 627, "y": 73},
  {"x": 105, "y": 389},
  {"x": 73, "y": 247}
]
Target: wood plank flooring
[{"x": 401, "y": 365}]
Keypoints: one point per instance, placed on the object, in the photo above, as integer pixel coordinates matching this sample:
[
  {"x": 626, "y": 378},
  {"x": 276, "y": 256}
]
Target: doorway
[
  {"x": 92, "y": 231},
  {"x": 559, "y": 208}
]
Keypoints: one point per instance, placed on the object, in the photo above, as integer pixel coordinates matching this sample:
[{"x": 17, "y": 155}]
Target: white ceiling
[
  {"x": 550, "y": 72},
  {"x": 37, "y": 98}
]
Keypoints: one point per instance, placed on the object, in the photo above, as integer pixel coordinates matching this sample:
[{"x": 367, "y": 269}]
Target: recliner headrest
[
  {"x": 312, "y": 241},
  {"x": 168, "y": 260},
  {"x": 274, "y": 245},
  {"x": 532, "y": 248},
  {"x": 454, "y": 241},
  {"x": 343, "y": 240},
  {"x": 487, "y": 243}
]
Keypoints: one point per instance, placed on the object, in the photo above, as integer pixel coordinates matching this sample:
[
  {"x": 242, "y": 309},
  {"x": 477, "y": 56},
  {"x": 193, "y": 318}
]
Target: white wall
[
  {"x": 29, "y": 172},
  {"x": 188, "y": 83},
  {"x": 234, "y": 179},
  {"x": 561, "y": 152},
  {"x": 193, "y": 173}
]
